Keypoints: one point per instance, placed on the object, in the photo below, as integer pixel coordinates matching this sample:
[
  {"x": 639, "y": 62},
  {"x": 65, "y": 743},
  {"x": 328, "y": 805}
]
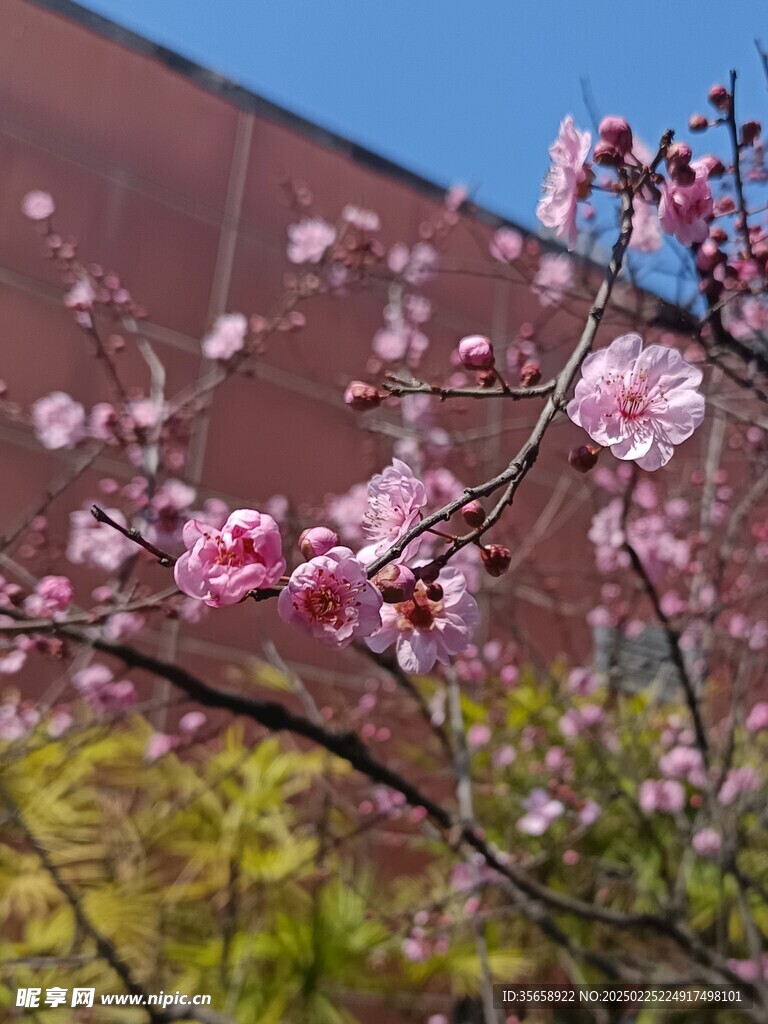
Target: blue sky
[{"x": 468, "y": 92}]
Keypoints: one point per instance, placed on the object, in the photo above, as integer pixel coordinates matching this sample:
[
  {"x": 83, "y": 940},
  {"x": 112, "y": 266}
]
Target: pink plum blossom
[
  {"x": 737, "y": 782},
  {"x": 81, "y": 296},
  {"x": 158, "y": 745},
  {"x": 684, "y": 209},
  {"x": 221, "y": 567},
  {"x": 707, "y": 843},
  {"x": 395, "y": 500},
  {"x": 553, "y": 279},
  {"x": 105, "y": 695},
  {"x": 506, "y": 245},
  {"x": 226, "y": 337},
  {"x": 96, "y": 545},
  {"x": 567, "y": 181},
  {"x": 541, "y": 810},
  {"x": 664, "y": 795},
  {"x": 638, "y": 402},
  {"x": 52, "y": 594},
  {"x": 37, "y": 205},
  {"x": 331, "y": 598},
  {"x": 363, "y": 220},
  {"x": 757, "y": 719},
  {"x": 478, "y": 735},
  {"x": 425, "y": 631},
  {"x": 59, "y": 420},
  {"x": 309, "y": 239}
]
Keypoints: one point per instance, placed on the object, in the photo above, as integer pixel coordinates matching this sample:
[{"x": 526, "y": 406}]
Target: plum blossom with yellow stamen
[
  {"x": 638, "y": 402},
  {"x": 330, "y": 597}
]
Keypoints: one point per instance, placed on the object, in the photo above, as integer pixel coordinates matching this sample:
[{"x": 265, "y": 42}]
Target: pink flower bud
[
  {"x": 37, "y": 205},
  {"x": 584, "y": 457},
  {"x": 750, "y": 130},
  {"x": 697, "y": 123},
  {"x": 496, "y": 559},
  {"x": 530, "y": 374},
  {"x": 317, "y": 540},
  {"x": 679, "y": 153},
  {"x": 361, "y": 396},
  {"x": 476, "y": 352},
  {"x": 616, "y": 132},
  {"x": 607, "y": 155},
  {"x": 473, "y": 513},
  {"x": 395, "y": 582},
  {"x": 719, "y": 97}
]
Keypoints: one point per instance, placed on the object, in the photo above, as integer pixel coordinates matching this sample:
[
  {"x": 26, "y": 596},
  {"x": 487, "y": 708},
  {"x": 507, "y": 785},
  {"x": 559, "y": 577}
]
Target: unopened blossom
[
  {"x": 105, "y": 694},
  {"x": 567, "y": 181},
  {"x": 396, "y": 583},
  {"x": 331, "y": 598},
  {"x": 684, "y": 210},
  {"x": 37, "y": 205},
  {"x": 395, "y": 500},
  {"x": 665, "y": 795},
  {"x": 617, "y": 132},
  {"x": 553, "y": 279},
  {"x": 96, "y": 545},
  {"x": 476, "y": 352},
  {"x": 59, "y": 420},
  {"x": 309, "y": 239},
  {"x": 757, "y": 719},
  {"x": 226, "y": 337},
  {"x": 52, "y": 594},
  {"x": 707, "y": 842},
  {"x": 541, "y": 810},
  {"x": 638, "y": 402},
  {"x": 426, "y": 630},
  {"x": 317, "y": 540},
  {"x": 506, "y": 245},
  {"x": 221, "y": 566},
  {"x": 192, "y": 721}
]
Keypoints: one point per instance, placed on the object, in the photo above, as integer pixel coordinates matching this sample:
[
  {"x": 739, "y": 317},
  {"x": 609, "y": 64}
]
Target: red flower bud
[
  {"x": 719, "y": 97},
  {"x": 486, "y": 378},
  {"x": 616, "y": 131},
  {"x": 749, "y": 132},
  {"x": 530, "y": 374},
  {"x": 435, "y": 592},
  {"x": 496, "y": 559},
  {"x": 361, "y": 396},
  {"x": 473, "y": 513},
  {"x": 697, "y": 123},
  {"x": 584, "y": 457}
]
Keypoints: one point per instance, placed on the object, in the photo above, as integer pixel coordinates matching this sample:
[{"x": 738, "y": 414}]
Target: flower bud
[
  {"x": 395, "y": 582},
  {"x": 616, "y": 132},
  {"x": 435, "y": 592},
  {"x": 678, "y": 153},
  {"x": 473, "y": 513},
  {"x": 697, "y": 123},
  {"x": 530, "y": 374},
  {"x": 750, "y": 130},
  {"x": 584, "y": 457},
  {"x": 496, "y": 559},
  {"x": 317, "y": 540},
  {"x": 476, "y": 352},
  {"x": 719, "y": 97},
  {"x": 487, "y": 378},
  {"x": 607, "y": 155},
  {"x": 712, "y": 166},
  {"x": 708, "y": 256},
  {"x": 361, "y": 396}
]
